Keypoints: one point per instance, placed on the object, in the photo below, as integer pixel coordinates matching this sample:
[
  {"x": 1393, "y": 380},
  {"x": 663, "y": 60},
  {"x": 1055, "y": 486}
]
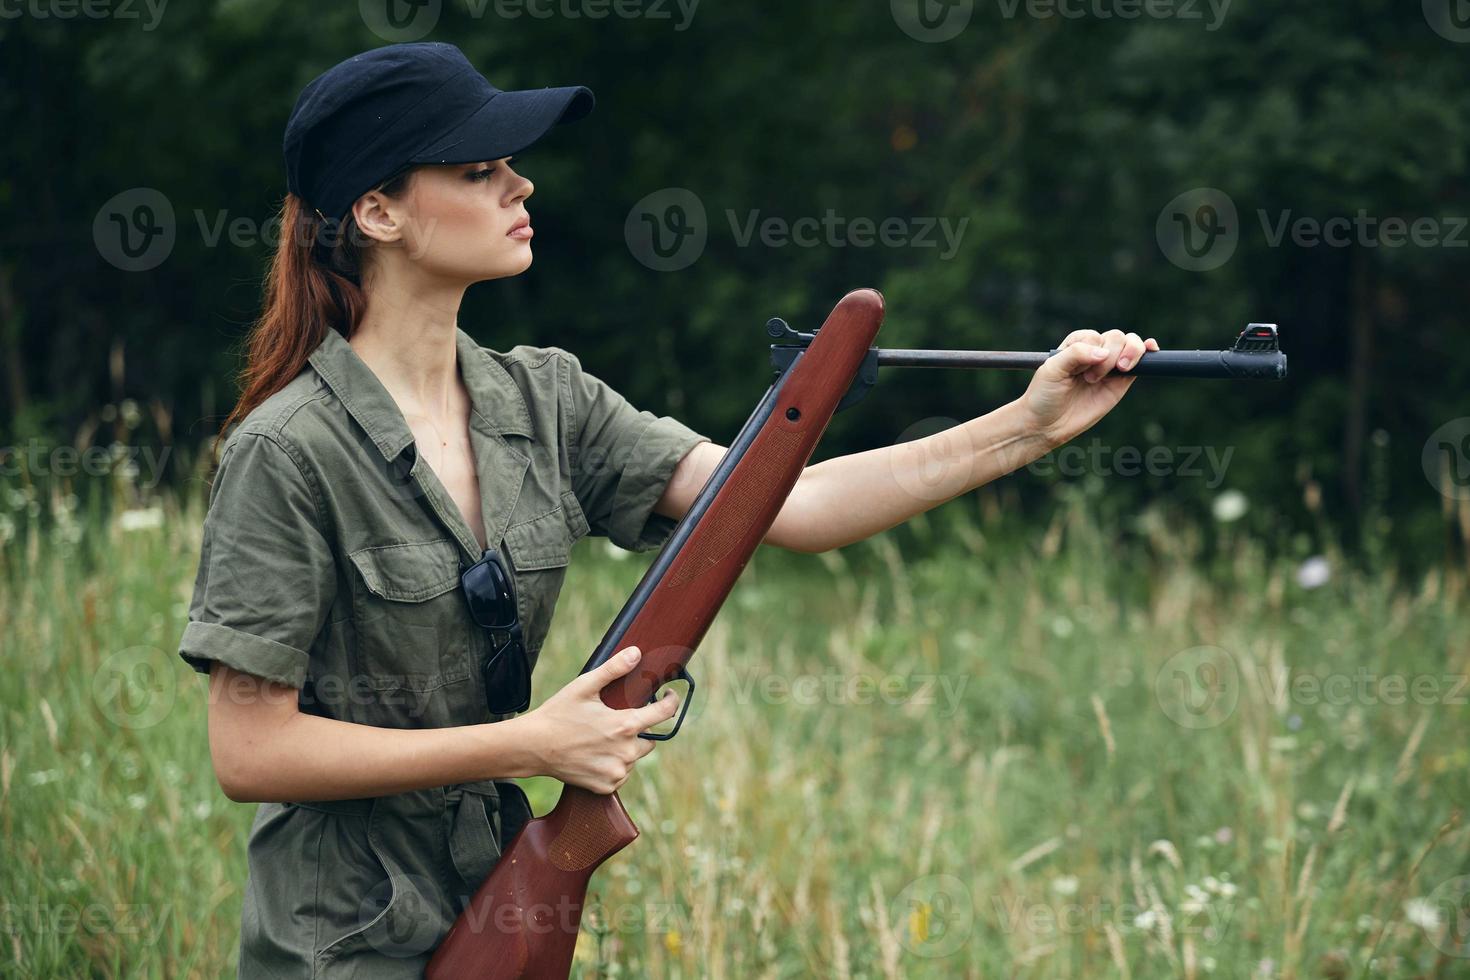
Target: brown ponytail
[{"x": 314, "y": 285}]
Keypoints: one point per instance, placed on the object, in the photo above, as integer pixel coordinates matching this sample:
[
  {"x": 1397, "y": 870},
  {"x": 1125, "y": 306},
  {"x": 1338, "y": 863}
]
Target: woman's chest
[
  {"x": 447, "y": 450},
  {"x": 400, "y": 629}
]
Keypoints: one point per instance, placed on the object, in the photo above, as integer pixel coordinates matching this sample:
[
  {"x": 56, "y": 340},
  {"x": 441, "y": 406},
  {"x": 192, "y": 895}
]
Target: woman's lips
[{"x": 522, "y": 233}]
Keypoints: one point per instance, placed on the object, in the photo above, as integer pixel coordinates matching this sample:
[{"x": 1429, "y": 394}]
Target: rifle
[
  {"x": 523, "y": 920},
  {"x": 1256, "y": 354}
]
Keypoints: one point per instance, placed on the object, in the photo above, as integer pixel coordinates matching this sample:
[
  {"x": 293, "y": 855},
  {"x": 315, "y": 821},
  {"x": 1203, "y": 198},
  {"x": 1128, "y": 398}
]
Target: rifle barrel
[
  {"x": 1003, "y": 359},
  {"x": 1267, "y": 365}
]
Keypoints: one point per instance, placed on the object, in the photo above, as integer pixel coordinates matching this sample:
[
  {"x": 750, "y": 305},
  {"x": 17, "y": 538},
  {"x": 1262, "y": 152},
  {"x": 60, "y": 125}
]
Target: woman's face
[{"x": 465, "y": 222}]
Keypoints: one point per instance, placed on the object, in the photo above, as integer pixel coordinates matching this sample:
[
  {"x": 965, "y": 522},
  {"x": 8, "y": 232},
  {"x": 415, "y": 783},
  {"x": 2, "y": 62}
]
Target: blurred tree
[{"x": 1051, "y": 147}]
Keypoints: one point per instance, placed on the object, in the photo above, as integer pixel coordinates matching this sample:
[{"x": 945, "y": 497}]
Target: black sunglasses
[{"x": 490, "y": 593}]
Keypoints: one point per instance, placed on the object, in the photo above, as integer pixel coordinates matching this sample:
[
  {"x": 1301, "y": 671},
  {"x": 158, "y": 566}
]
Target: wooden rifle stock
[{"x": 523, "y": 921}]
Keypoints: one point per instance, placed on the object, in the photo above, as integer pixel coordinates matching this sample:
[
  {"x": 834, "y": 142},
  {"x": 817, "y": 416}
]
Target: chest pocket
[
  {"x": 539, "y": 549},
  {"x": 412, "y": 627}
]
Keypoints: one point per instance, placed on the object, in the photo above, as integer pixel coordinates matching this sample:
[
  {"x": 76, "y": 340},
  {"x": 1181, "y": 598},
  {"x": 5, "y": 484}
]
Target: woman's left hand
[{"x": 1072, "y": 390}]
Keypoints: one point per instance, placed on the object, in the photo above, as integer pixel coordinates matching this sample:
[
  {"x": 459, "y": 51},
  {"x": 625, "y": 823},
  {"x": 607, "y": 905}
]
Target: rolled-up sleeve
[
  {"x": 266, "y": 579},
  {"x": 622, "y": 459}
]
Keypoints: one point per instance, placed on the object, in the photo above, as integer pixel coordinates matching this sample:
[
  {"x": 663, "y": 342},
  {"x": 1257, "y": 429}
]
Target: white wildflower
[
  {"x": 1230, "y": 506},
  {"x": 1422, "y": 913},
  {"x": 1314, "y": 573},
  {"x": 1064, "y": 884},
  {"x": 141, "y": 519}
]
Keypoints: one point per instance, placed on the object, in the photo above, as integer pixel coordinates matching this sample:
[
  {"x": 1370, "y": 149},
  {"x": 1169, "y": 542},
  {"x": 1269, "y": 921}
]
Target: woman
[{"x": 391, "y": 521}]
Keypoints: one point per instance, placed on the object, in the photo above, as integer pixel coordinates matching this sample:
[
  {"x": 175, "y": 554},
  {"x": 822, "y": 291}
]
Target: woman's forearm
[
  {"x": 265, "y": 750},
  {"x": 849, "y": 498}
]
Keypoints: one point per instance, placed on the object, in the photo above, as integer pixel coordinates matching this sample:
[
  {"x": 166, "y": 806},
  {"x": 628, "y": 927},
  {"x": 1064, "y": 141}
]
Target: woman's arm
[
  {"x": 848, "y": 498},
  {"x": 265, "y": 749}
]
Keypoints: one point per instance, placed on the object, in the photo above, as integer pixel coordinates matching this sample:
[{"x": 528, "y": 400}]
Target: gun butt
[{"x": 523, "y": 920}]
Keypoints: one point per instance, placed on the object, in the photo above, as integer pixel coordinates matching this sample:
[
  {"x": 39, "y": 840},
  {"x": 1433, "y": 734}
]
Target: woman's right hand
[{"x": 582, "y": 741}]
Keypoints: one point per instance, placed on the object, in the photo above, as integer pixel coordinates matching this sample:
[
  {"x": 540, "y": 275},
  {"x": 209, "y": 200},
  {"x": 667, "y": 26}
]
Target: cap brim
[{"x": 508, "y": 123}]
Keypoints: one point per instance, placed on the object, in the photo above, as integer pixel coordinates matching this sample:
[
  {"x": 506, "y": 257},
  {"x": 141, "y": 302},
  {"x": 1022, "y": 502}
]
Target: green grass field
[{"x": 962, "y": 748}]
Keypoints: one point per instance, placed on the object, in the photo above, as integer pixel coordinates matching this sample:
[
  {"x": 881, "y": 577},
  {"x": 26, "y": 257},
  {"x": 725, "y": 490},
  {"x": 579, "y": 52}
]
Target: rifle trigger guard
[{"x": 683, "y": 674}]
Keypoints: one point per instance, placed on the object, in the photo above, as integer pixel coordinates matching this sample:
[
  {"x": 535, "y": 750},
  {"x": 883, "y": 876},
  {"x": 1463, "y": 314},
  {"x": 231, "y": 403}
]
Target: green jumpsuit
[{"x": 330, "y": 562}]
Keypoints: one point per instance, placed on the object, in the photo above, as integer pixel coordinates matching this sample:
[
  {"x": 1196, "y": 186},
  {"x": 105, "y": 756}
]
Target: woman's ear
[{"x": 377, "y": 217}]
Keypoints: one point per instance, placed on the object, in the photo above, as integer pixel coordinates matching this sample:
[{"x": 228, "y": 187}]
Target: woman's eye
[{"x": 488, "y": 171}]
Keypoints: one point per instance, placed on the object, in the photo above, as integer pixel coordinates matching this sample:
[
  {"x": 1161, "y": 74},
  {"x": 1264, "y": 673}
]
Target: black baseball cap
[{"x": 363, "y": 120}]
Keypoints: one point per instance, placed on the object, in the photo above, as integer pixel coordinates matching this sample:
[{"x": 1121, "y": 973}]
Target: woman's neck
[{"x": 410, "y": 346}]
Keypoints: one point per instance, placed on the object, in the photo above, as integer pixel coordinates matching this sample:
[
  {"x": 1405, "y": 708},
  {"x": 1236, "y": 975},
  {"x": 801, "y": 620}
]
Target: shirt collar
[{"x": 497, "y": 403}]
